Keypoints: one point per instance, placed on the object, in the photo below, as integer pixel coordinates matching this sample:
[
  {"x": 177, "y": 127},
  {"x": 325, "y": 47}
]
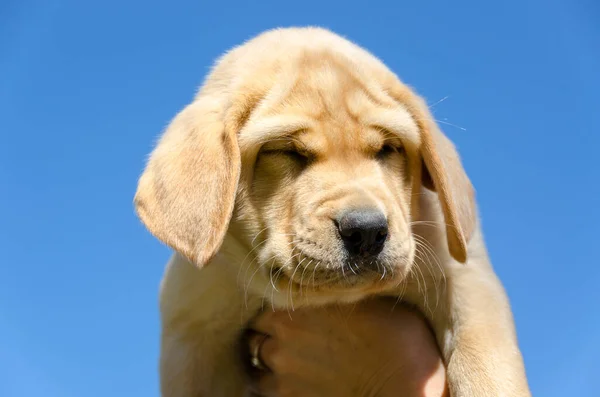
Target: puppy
[{"x": 305, "y": 172}]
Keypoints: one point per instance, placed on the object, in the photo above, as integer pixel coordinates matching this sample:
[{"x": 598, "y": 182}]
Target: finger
[
  {"x": 271, "y": 356},
  {"x": 276, "y": 322},
  {"x": 271, "y": 385},
  {"x": 269, "y": 353},
  {"x": 266, "y": 322},
  {"x": 264, "y": 385}
]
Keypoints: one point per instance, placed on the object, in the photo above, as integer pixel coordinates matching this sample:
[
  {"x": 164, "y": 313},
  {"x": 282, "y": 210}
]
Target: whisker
[
  {"x": 444, "y": 122},
  {"x": 450, "y": 124},
  {"x": 313, "y": 275},
  {"x": 430, "y": 253},
  {"x": 249, "y": 282},
  {"x": 244, "y": 260},
  {"x": 402, "y": 283},
  {"x": 302, "y": 275},
  {"x": 440, "y": 101},
  {"x": 290, "y": 283},
  {"x": 425, "y": 293},
  {"x": 351, "y": 268},
  {"x": 257, "y": 234},
  {"x": 344, "y": 273},
  {"x": 430, "y": 223}
]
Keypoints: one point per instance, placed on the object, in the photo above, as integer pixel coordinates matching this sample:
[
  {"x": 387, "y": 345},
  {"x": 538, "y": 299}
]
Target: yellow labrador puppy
[{"x": 305, "y": 172}]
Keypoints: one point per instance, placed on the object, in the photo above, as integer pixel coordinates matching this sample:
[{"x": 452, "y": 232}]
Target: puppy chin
[{"x": 289, "y": 294}]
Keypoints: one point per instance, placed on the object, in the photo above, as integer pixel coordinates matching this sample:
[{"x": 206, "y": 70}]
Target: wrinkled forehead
[{"x": 331, "y": 107}]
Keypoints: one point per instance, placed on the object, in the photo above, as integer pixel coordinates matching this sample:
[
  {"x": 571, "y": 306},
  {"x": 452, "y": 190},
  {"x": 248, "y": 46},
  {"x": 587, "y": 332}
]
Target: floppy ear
[
  {"x": 443, "y": 172},
  {"x": 186, "y": 194}
]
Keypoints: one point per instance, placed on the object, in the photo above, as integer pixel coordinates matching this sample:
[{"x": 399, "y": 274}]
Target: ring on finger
[{"x": 255, "y": 360}]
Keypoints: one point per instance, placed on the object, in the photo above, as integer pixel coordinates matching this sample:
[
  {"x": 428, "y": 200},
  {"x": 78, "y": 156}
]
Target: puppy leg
[
  {"x": 203, "y": 313},
  {"x": 478, "y": 368},
  {"x": 478, "y": 339},
  {"x": 203, "y": 364}
]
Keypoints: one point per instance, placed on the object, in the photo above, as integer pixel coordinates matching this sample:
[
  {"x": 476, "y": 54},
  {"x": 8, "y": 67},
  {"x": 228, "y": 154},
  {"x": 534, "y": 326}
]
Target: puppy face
[
  {"x": 328, "y": 201},
  {"x": 310, "y": 152}
]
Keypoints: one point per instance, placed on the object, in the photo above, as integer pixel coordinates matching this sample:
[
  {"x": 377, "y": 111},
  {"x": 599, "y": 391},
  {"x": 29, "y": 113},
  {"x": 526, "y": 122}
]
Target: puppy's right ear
[
  {"x": 186, "y": 194},
  {"x": 443, "y": 173}
]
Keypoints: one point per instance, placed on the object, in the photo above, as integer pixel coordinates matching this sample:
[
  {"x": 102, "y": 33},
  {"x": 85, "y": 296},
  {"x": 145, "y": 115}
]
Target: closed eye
[
  {"x": 296, "y": 155},
  {"x": 300, "y": 157},
  {"x": 388, "y": 149}
]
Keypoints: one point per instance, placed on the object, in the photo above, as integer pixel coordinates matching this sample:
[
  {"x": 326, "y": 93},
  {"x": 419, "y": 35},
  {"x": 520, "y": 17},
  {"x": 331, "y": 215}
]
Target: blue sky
[{"x": 86, "y": 87}]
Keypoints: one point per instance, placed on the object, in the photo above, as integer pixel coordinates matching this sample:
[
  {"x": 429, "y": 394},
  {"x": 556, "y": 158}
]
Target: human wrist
[
  {"x": 414, "y": 383},
  {"x": 414, "y": 366}
]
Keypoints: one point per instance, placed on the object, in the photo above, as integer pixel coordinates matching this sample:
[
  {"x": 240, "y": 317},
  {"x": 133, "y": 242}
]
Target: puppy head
[{"x": 321, "y": 163}]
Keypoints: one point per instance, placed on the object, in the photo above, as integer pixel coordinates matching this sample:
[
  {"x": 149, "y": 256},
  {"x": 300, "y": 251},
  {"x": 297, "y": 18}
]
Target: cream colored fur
[{"x": 251, "y": 225}]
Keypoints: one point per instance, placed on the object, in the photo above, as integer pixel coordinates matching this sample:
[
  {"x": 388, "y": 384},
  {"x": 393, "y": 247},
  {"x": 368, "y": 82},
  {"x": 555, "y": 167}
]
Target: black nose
[{"x": 363, "y": 231}]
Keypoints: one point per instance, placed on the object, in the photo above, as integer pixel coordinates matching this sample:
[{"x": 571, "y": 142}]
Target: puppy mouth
[{"x": 310, "y": 271}]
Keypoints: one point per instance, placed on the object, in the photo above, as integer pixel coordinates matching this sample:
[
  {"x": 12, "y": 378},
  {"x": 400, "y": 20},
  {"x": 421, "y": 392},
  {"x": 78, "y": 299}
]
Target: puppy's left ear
[
  {"x": 186, "y": 195},
  {"x": 444, "y": 173}
]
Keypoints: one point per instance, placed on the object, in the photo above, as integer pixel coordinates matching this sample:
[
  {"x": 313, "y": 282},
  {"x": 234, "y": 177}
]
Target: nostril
[
  {"x": 355, "y": 237},
  {"x": 381, "y": 236}
]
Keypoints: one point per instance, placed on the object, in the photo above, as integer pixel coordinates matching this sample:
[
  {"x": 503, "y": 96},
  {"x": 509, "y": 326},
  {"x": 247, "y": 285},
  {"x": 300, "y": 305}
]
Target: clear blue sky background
[{"x": 86, "y": 87}]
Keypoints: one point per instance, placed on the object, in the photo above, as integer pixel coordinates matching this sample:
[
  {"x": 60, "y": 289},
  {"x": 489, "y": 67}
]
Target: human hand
[{"x": 364, "y": 349}]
